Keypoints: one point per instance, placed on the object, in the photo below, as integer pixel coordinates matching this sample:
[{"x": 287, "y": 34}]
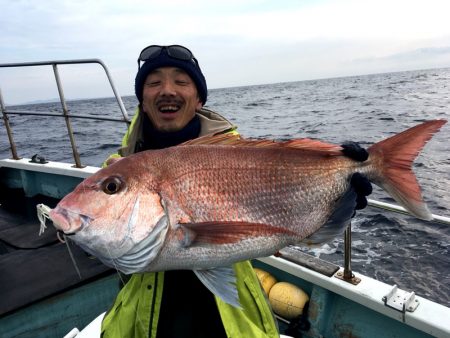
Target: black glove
[
  {"x": 354, "y": 151},
  {"x": 362, "y": 187},
  {"x": 359, "y": 182}
]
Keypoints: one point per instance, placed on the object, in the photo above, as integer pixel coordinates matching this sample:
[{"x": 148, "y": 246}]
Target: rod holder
[
  {"x": 347, "y": 275},
  {"x": 348, "y": 252}
]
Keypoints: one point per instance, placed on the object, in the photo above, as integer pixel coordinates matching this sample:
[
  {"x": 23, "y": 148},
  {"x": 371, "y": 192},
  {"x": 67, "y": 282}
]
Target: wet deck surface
[
  {"x": 34, "y": 267},
  {"x": 20, "y": 232}
]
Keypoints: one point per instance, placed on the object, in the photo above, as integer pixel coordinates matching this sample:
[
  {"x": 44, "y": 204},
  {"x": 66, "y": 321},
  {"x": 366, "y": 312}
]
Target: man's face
[{"x": 170, "y": 98}]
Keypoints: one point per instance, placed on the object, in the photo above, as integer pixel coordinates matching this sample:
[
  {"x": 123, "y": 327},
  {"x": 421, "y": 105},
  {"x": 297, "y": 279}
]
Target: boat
[{"x": 43, "y": 294}]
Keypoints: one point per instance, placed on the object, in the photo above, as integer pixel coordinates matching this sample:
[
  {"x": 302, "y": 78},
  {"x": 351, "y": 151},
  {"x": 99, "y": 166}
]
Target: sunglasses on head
[{"x": 174, "y": 51}]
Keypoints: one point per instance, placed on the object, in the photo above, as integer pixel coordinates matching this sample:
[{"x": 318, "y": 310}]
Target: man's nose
[{"x": 168, "y": 88}]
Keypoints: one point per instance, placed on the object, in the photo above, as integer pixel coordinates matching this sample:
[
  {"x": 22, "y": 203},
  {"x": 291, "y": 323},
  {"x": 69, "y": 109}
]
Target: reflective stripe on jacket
[{"x": 136, "y": 309}]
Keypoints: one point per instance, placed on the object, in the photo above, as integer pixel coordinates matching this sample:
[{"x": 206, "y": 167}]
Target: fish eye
[{"x": 111, "y": 185}]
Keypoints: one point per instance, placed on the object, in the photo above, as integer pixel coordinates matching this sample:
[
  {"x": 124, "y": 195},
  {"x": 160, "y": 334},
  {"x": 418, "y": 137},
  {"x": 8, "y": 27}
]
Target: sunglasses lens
[
  {"x": 150, "y": 52},
  {"x": 174, "y": 51},
  {"x": 179, "y": 52}
]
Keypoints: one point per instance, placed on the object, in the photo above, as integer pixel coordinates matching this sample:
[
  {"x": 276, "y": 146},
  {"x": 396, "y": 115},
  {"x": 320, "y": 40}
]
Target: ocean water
[{"x": 393, "y": 248}]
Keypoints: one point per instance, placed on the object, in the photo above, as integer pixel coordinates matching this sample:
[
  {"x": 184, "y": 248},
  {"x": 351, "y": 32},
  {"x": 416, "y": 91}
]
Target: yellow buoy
[
  {"x": 266, "y": 279},
  {"x": 287, "y": 300}
]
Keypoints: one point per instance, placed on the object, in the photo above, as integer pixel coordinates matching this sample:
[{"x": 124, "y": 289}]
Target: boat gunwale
[
  {"x": 429, "y": 317},
  {"x": 67, "y": 169}
]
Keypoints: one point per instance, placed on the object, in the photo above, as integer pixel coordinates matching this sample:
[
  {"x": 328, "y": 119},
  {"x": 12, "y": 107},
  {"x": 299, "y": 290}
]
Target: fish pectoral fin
[
  {"x": 227, "y": 232},
  {"x": 337, "y": 222},
  {"x": 221, "y": 282}
]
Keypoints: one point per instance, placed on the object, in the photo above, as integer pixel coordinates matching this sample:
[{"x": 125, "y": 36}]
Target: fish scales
[{"x": 275, "y": 186}]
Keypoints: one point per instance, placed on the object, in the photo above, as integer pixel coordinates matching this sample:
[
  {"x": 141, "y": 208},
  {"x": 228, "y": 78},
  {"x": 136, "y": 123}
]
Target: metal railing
[
  {"x": 65, "y": 111},
  {"x": 348, "y": 274}
]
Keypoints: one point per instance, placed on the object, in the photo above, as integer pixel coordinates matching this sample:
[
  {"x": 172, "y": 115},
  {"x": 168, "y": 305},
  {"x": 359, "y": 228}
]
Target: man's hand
[
  {"x": 354, "y": 151},
  {"x": 358, "y": 181},
  {"x": 112, "y": 159},
  {"x": 362, "y": 187}
]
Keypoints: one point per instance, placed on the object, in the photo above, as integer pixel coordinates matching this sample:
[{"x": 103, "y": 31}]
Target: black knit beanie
[{"x": 164, "y": 60}]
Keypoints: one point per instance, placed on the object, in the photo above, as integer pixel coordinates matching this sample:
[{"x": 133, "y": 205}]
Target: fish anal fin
[{"x": 228, "y": 232}]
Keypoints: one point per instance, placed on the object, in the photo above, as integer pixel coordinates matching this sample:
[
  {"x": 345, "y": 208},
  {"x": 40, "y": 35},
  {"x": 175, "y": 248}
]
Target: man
[{"x": 171, "y": 91}]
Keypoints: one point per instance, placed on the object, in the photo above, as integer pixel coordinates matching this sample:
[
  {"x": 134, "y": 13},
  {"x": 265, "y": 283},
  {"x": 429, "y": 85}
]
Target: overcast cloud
[{"x": 236, "y": 42}]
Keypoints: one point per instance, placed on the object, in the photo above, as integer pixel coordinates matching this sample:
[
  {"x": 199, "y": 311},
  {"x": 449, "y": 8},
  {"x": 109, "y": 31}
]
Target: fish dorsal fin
[
  {"x": 309, "y": 144},
  {"x": 227, "y": 138},
  {"x": 238, "y": 141}
]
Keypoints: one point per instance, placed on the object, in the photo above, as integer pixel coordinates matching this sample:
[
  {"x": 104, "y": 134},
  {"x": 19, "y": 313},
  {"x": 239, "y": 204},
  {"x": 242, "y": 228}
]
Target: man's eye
[{"x": 152, "y": 83}]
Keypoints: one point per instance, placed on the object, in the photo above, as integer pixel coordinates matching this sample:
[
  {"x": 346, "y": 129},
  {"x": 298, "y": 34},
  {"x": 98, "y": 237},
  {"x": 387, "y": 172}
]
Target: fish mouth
[{"x": 68, "y": 221}]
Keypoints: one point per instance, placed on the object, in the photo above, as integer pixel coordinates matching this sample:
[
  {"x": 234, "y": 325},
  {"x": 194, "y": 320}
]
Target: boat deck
[{"x": 35, "y": 267}]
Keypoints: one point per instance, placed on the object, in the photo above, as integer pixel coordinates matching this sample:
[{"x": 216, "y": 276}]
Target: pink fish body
[{"x": 218, "y": 200}]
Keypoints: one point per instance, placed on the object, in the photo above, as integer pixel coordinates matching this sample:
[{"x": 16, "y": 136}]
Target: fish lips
[{"x": 67, "y": 221}]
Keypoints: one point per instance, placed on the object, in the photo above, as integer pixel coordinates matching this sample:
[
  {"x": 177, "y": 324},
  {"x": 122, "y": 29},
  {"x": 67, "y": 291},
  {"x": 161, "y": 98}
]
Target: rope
[
  {"x": 74, "y": 262},
  {"x": 43, "y": 214}
]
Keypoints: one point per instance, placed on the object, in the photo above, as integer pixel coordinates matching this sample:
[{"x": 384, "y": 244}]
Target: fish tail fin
[{"x": 393, "y": 158}]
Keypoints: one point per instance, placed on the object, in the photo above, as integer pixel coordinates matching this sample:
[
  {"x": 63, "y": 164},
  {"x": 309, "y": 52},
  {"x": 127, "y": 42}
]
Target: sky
[{"x": 237, "y": 42}]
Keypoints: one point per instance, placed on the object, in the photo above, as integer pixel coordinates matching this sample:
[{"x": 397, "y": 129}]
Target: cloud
[
  {"x": 419, "y": 58},
  {"x": 419, "y": 53},
  {"x": 236, "y": 42}
]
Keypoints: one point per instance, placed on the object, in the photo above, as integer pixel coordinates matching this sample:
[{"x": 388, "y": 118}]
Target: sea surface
[{"x": 393, "y": 248}]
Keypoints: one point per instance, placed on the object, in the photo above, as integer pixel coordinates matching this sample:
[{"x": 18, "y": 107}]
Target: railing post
[
  {"x": 116, "y": 93},
  {"x": 12, "y": 145},
  {"x": 76, "y": 155}
]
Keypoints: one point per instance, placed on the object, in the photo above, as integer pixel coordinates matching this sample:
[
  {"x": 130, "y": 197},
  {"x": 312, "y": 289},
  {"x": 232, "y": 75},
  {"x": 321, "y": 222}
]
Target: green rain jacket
[{"x": 135, "y": 311}]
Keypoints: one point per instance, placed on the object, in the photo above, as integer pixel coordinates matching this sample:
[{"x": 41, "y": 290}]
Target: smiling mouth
[
  {"x": 169, "y": 112},
  {"x": 169, "y": 109}
]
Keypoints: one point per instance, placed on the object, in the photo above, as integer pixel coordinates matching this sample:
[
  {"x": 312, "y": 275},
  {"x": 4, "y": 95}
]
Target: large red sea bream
[{"x": 217, "y": 200}]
